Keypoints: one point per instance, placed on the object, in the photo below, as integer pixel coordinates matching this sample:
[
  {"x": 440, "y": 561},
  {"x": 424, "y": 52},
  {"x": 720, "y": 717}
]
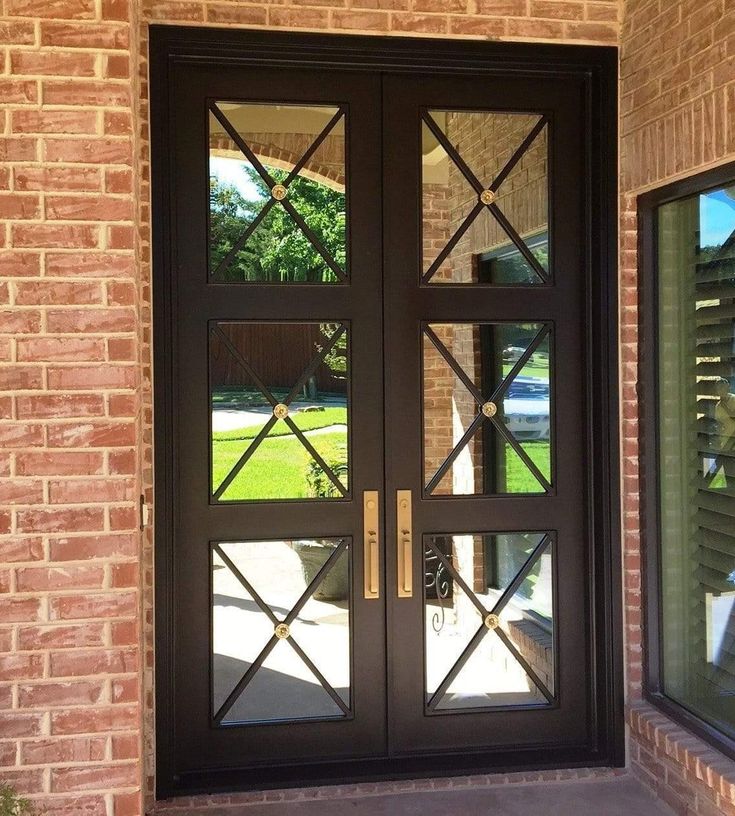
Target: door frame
[{"x": 596, "y": 67}]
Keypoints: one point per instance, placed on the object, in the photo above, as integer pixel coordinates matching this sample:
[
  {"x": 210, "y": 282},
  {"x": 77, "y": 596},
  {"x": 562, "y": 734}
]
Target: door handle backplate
[
  {"x": 371, "y": 544},
  {"x": 404, "y": 544}
]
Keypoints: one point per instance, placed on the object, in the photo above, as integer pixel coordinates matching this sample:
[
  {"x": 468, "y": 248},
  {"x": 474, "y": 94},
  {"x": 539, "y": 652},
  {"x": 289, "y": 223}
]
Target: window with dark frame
[{"x": 687, "y": 373}]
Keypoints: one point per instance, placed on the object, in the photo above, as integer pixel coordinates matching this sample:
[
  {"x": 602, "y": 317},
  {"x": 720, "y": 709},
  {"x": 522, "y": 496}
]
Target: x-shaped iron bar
[
  {"x": 271, "y": 182},
  {"x": 499, "y": 605},
  {"x": 316, "y": 361},
  {"x": 495, "y": 397},
  {"x": 478, "y": 187},
  {"x": 288, "y": 620}
]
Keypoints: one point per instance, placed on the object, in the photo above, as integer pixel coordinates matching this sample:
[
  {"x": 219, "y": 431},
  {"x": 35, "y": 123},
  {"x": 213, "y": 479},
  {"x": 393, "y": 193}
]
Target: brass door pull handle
[
  {"x": 404, "y": 554},
  {"x": 371, "y": 544}
]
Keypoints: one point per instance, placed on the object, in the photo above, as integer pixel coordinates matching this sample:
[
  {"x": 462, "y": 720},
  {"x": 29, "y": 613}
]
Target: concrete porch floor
[{"x": 622, "y": 796}]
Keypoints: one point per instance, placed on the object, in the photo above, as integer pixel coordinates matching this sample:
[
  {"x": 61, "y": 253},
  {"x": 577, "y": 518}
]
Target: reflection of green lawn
[
  {"x": 533, "y": 369},
  {"x": 519, "y": 478},
  {"x": 279, "y": 466}
]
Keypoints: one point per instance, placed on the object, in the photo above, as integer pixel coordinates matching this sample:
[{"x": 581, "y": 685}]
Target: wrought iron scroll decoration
[{"x": 486, "y": 615}]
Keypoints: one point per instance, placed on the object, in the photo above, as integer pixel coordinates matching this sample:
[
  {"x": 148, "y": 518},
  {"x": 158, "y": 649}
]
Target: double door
[{"x": 379, "y": 544}]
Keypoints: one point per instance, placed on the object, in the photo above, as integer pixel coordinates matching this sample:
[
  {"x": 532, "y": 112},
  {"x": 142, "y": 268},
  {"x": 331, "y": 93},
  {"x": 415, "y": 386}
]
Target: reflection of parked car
[{"x": 526, "y": 408}]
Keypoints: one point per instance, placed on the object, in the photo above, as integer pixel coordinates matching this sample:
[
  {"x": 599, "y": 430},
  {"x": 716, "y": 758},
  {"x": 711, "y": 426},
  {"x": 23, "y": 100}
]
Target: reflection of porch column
[{"x": 468, "y": 618}]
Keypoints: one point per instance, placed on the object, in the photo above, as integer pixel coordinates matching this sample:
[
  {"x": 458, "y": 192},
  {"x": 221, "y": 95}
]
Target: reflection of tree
[
  {"x": 336, "y": 359},
  {"x": 278, "y": 250}
]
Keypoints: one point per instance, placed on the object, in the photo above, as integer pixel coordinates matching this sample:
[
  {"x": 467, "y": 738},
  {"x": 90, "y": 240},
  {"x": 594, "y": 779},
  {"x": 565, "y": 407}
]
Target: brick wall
[
  {"x": 677, "y": 96},
  {"x": 75, "y": 417}
]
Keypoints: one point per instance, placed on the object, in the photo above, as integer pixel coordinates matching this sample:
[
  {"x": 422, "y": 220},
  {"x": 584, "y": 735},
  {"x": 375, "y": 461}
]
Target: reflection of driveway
[
  {"x": 230, "y": 419},
  {"x": 284, "y": 687}
]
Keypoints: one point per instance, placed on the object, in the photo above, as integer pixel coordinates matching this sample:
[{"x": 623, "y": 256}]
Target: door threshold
[{"x": 387, "y": 774}]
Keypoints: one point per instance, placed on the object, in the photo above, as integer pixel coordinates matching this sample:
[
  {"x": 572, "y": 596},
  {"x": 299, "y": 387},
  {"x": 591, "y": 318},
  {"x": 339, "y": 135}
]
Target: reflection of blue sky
[
  {"x": 716, "y": 218},
  {"x": 232, "y": 172}
]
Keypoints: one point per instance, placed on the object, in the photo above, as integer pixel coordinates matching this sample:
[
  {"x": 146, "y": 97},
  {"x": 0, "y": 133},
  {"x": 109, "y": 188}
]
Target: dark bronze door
[{"x": 373, "y": 325}]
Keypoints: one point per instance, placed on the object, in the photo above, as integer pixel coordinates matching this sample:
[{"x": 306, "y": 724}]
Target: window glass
[{"x": 696, "y": 421}]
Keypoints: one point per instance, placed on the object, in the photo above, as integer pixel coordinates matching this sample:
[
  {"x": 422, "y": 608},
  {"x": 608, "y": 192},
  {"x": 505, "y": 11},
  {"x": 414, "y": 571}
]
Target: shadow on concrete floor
[{"x": 616, "y": 797}]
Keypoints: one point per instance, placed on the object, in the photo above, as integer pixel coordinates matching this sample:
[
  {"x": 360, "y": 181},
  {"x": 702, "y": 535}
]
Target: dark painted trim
[
  {"x": 597, "y": 66},
  {"x": 648, "y": 205}
]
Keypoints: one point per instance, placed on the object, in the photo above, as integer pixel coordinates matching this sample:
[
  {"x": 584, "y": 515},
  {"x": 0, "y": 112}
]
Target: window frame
[{"x": 648, "y": 436}]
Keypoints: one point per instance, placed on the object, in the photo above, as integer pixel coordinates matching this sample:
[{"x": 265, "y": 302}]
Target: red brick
[
  {"x": 69, "y": 463},
  {"x": 20, "y": 378},
  {"x": 83, "y": 548},
  {"x": 52, "y": 179},
  {"x": 61, "y": 405},
  {"x": 18, "y": 149},
  {"x": 125, "y": 746},
  {"x": 15, "y": 206},
  {"x": 19, "y": 264},
  {"x": 22, "y": 549},
  {"x": 52, "y": 63},
  {"x": 94, "y": 662},
  {"x": 76, "y": 805},
  {"x": 21, "y": 666},
  {"x": 21, "y": 436},
  {"x": 95, "y": 720},
  {"x": 92, "y": 377},
  {"x": 32, "y": 293},
  {"x": 90, "y": 491},
  {"x": 109, "y": 605},
  {"x": 32, "y": 638},
  {"x": 45, "y": 520},
  {"x": 54, "y": 235},
  {"x": 87, "y": 208},
  {"x": 92, "y": 151},
  {"x": 54, "y": 121},
  {"x": 124, "y": 518},
  {"x": 117, "y": 123},
  {"x": 17, "y": 33},
  {"x": 103, "y": 777},
  {"x": 124, "y": 576},
  {"x": 54, "y": 751},
  {"x": 21, "y": 491},
  {"x": 115, "y": 10},
  {"x": 94, "y": 435},
  {"x": 13, "y": 724},
  {"x": 124, "y": 633},
  {"x": 44, "y": 695},
  {"x": 360, "y": 20},
  {"x": 118, "y": 181},
  {"x": 90, "y": 265},
  {"x": 60, "y": 349},
  {"x": 99, "y": 321},
  {"x": 19, "y": 610},
  {"x": 27, "y": 321},
  {"x": 43, "y": 579},
  {"x": 125, "y": 690},
  {"x": 18, "y": 91},
  {"x": 85, "y": 35},
  {"x": 57, "y": 9},
  {"x": 233, "y": 14}
]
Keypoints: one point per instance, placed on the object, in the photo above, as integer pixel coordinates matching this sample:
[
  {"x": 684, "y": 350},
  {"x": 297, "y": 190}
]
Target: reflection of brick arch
[{"x": 283, "y": 151}]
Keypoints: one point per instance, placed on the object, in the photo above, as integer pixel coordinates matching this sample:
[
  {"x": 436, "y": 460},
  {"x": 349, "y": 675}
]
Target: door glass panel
[
  {"x": 277, "y": 203},
  {"x": 279, "y": 410},
  {"x": 485, "y": 198},
  {"x": 489, "y": 632},
  {"x": 487, "y": 408},
  {"x": 281, "y": 630}
]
